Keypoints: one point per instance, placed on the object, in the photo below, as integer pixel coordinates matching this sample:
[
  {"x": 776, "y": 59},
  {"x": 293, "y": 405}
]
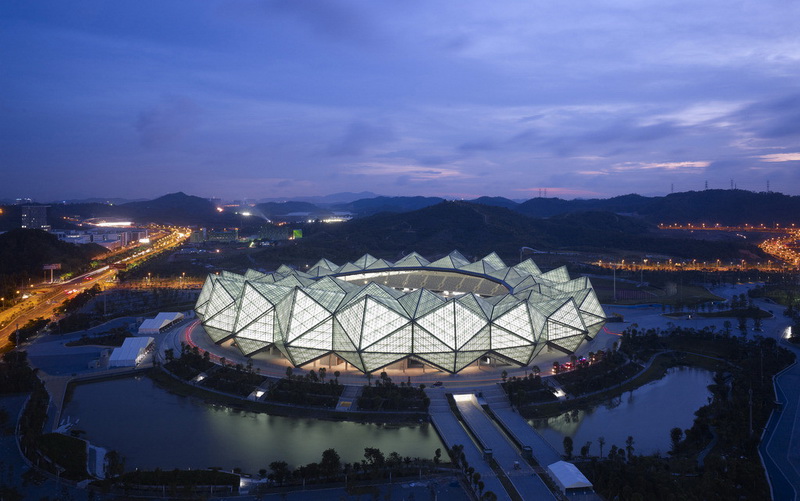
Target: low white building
[
  {"x": 569, "y": 478},
  {"x": 162, "y": 321},
  {"x": 131, "y": 353}
]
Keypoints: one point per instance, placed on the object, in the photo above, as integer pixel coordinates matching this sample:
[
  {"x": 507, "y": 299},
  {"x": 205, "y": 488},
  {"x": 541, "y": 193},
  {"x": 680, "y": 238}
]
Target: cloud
[
  {"x": 408, "y": 173},
  {"x": 668, "y": 166},
  {"x": 168, "y": 122},
  {"x": 780, "y": 157},
  {"x": 772, "y": 119},
  {"x": 360, "y": 136},
  {"x": 479, "y": 145},
  {"x": 334, "y": 20}
]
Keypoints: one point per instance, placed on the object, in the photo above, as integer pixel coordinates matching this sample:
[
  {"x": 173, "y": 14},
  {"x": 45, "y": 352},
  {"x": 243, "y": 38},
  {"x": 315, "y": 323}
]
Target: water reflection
[
  {"x": 154, "y": 428},
  {"x": 647, "y": 413}
]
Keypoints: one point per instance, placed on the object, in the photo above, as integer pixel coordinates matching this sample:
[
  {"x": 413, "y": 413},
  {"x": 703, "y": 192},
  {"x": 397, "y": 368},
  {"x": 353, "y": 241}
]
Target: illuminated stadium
[{"x": 372, "y": 313}]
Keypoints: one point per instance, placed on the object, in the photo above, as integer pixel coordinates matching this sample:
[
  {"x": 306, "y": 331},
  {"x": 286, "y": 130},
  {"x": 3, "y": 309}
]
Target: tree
[
  {"x": 289, "y": 372},
  {"x": 280, "y": 471},
  {"x": 476, "y": 477},
  {"x": 757, "y": 323},
  {"x": 437, "y": 456},
  {"x": 374, "y": 457},
  {"x": 675, "y": 434},
  {"x": 115, "y": 464},
  {"x": 504, "y": 375},
  {"x": 743, "y": 324},
  {"x": 585, "y": 449},
  {"x": 629, "y": 447},
  {"x": 331, "y": 462},
  {"x": 489, "y": 496},
  {"x": 568, "y": 447},
  {"x": 336, "y": 374},
  {"x": 601, "y": 441}
]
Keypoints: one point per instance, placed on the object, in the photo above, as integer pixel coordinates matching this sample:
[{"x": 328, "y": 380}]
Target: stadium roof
[{"x": 374, "y": 316}]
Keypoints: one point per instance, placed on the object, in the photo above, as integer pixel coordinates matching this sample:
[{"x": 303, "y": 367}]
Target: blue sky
[{"x": 288, "y": 98}]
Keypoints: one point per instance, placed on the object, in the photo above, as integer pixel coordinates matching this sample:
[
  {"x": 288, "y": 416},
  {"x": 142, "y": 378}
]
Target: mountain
[
  {"x": 726, "y": 207},
  {"x": 335, "y": 198},
  {"x": 174, "y": 208},
  {"x": 496, "y": 202},
  {"x": 368, "y": 206},
  {"x": 477, "y": 230},
  {"x": 274, "y": 209}
]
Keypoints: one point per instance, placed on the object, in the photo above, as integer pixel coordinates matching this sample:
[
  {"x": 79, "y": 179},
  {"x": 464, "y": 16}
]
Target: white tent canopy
[
  {"x": 569, "y": 477},
  {"x": 162, "y": 320},
  {"x": 128, "y": 355}
]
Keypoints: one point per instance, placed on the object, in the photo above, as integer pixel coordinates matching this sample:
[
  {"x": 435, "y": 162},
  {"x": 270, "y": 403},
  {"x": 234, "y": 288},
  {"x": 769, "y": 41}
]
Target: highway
[{"x": 45, "y": 298}]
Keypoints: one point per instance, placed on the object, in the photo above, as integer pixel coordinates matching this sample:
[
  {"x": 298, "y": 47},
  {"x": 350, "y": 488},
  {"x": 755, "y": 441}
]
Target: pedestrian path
[
  {"x": 348, "y": 400},
  {"x": 453, "y": 433},
  {"x": 527, "y": 483},
  {"x": 524, "y": 434}
]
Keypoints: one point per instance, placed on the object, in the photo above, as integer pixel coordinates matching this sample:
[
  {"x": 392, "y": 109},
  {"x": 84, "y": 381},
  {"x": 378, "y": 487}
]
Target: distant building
[
  {"x": 211, "y": 235},
  {"x": 34, "y": 217},
  {"x": 273, "y": 233},
  {"x": 110, "y": 238}
]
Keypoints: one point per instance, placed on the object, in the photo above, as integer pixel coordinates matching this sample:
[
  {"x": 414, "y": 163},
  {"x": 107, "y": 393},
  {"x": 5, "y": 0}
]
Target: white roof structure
[
  {"x": 372, "y": 313},
  {"x": 128, "y": 354},
  {"x": 568, "y": 476},
  {"x": 163, "y": 319}
]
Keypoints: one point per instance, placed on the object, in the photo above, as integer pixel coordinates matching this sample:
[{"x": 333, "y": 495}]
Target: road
[
  {"x": 45, "y": 298},
  {"x": 781, "y": 444}
]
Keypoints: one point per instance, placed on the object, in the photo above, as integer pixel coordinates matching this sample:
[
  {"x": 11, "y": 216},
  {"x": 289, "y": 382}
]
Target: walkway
[
  {"x": 519, "y": 429},
  {"x": 348, "y": 400},
  {"x": 453, "y": 433},
  {"x": 527, "y": 483},
  {"x": 780, "y": 445}
]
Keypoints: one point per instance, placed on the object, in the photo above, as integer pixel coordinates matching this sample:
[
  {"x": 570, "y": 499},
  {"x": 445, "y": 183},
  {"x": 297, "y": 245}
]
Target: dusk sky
[{"x": 256, "y": 99}]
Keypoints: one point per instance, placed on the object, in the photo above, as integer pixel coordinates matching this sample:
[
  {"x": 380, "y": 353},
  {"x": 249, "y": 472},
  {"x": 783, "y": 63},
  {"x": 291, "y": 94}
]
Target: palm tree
[{"x": 601, "y": 441}]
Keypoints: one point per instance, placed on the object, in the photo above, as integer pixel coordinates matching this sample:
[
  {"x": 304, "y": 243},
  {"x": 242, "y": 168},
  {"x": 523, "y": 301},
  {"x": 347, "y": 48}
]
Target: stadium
[{"x": 372, "y": 314}]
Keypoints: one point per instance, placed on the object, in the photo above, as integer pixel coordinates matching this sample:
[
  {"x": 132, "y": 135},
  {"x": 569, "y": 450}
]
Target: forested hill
[
  {"x": 727, "y": 207},
  {"x": 25, "y": 251},
  {"x": 477, "y": 230}
]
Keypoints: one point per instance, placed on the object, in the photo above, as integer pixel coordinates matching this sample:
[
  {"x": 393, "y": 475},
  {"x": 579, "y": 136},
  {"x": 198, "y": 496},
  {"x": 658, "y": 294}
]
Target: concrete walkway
[
  {"x": 453, "y": 433},
  {"x": 348, "y": 400},
  {"x": 526, "y": 482}
]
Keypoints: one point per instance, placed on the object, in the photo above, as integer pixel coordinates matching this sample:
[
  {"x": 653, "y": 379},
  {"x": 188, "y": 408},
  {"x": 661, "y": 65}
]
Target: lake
[
  {"x": 152, "y": 428},
  {"x": 647, "y": 414}
]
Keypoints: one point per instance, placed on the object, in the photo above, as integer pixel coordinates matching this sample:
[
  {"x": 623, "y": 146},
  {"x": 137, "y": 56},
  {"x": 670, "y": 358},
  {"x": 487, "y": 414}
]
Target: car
[{"x": 438, "y": 384}]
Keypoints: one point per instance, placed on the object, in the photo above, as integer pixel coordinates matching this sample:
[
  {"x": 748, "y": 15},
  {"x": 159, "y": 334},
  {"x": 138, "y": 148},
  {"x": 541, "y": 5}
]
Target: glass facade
[{"x": 350, "y": 311}]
